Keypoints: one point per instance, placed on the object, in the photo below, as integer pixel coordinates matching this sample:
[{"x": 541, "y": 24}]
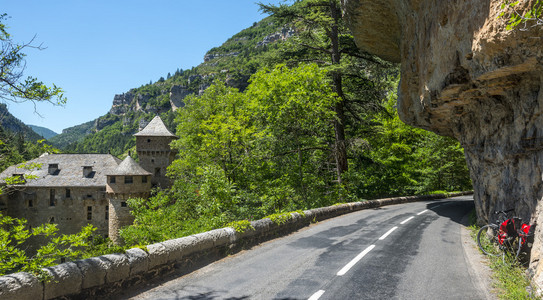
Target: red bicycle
[{"x": 508, "y": 234}]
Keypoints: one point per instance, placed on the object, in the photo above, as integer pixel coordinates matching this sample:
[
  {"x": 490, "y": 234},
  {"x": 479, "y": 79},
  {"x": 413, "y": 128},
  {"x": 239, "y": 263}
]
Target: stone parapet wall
[{"x": 108, "y": 274}]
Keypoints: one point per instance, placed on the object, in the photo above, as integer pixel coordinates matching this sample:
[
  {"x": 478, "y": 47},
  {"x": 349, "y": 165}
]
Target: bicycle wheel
[{"x": 487, "y": 239}]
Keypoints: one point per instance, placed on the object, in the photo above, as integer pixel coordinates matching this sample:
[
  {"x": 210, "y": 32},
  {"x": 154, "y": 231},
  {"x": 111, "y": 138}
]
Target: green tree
[
  {"x": 403, "y": 160},
  {"x": 245, "y": 155},
  {"x": 15, "y": 235},
  {"x": 324, "y": 38}
]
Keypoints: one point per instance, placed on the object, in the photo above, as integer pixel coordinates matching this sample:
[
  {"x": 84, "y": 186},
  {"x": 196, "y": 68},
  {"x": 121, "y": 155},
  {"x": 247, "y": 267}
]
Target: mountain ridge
[{"x": 46, "y": 133}]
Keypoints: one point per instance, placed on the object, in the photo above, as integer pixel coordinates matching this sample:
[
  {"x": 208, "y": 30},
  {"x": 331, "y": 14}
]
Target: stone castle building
[{"x": 73, "y": 190}]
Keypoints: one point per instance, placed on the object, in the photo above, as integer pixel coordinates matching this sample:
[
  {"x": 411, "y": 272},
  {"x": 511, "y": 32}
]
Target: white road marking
[
  {"x": 422, "y": 212},
  {"x": 388, "y": 232},
  {"x": 406, "y": 220},
  {"x": 317, "y": 295},
  {"x": 354, "y": 261}
]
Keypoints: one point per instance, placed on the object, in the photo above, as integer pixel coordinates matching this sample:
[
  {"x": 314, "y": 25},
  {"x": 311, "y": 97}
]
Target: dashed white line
[
  {"x": 422, "y": 212},
  {"x": 317, "y": 295},
  {"x": 388, "y": 232},
  {"x": 406, "y": 220},
  {"x": 354, "y": 261}
]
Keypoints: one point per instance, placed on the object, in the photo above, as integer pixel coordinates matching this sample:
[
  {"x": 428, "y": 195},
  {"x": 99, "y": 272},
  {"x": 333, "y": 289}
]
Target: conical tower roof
[
  {"x": 129, "y": 167},
  {"x": 155, "y": 128}
]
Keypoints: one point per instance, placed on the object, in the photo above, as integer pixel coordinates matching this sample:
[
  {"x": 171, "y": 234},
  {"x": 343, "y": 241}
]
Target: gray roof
[
  {"x": 129, "y": 167},
  {"x": 155, "y": 128},
  {"x": 70, "y": 170}
]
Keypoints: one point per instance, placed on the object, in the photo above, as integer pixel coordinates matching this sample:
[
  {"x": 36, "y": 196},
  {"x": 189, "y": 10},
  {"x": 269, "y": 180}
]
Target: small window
[
  {"x": 112, "y": 179},
  {"x": 157, "y": 171},
  {"x": 123, "y": 204},
  {"x": 30, "y": 203},
  {"x": 89, "y": 196},
  {"x": 128, "y": 179},
  {"x": 51, "y": 220},
  {"x": 51, "y": 197},
  {"x": 144, "y": 179},
  {"x": 107, "y": 212},
  {"x": 148, "y": 140},
  {"x": 89, "y": 213},
  {"x": 68, "y": 193}
]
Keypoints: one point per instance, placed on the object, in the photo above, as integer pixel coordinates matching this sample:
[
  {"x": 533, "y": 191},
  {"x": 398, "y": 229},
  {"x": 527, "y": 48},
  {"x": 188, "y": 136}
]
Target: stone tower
[
  {"x": 154, "y": 152},
  {"x": 128, "y": 180}
]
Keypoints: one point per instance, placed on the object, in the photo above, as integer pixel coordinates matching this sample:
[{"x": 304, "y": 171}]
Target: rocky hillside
[{"x": 233, "y": 62}]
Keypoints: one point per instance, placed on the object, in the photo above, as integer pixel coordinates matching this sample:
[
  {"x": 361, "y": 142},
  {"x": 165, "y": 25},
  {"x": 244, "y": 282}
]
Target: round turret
[{"x": 128, "y": 180}]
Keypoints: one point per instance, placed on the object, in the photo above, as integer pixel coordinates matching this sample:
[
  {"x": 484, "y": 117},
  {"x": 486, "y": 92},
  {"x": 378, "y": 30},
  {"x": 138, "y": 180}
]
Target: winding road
[{"x": 405, "y": 251}]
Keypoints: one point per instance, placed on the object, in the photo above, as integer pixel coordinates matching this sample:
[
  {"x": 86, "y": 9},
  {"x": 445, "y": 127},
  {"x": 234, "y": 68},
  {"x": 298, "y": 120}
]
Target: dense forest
[{"x": 286, "y": 115}]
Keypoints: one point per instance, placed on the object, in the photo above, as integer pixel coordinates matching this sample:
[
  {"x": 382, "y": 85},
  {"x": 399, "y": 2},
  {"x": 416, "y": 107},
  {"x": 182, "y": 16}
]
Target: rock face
[
  {"x": 177, "y": 94},
  {"x": 464, "y": 75}
]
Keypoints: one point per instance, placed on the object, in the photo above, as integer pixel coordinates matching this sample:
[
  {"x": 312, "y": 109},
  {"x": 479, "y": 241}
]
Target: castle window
[
  {"x": 123, "y": 204},
  {"x": 144, "y": 179},
  {"x": 51, "y": 197},
  {"x": 89, "y": 213},
  {"x": 148, "y": 140},
  {"x": 157, "y": 171},
  {"x": 112, "y": 179},
  {"x": 51, "y": 220},
  {"x": 107, "y": 212},
  {"x": 128, "y": 179},
  {"x": 68, "y": 193},
  {"x": 30, "y": 203}
]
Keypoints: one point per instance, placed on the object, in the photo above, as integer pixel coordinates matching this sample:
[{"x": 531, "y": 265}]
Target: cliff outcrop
[{"x": 464, "y": 75}]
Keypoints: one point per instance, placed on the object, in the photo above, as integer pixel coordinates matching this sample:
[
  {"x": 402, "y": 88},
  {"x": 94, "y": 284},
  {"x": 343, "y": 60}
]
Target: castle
[{"x": 73, "y": 190}]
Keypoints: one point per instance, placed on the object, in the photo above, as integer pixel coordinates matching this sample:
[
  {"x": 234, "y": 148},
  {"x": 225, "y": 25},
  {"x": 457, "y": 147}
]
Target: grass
[{"x": 509, "y": 275}]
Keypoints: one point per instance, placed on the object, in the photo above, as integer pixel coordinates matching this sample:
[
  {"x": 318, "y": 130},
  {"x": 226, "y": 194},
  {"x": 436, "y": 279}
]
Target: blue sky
[{"x": 96, "y": 49}]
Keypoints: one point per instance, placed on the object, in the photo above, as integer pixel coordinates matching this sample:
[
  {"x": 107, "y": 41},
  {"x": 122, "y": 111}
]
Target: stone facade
[
  {"x": 73, "y": 190},
  {"x": 154, "y": 152}
]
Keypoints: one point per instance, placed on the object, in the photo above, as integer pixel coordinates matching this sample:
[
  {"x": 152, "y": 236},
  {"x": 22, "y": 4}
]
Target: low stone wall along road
[{"x": 403, "y": 251}]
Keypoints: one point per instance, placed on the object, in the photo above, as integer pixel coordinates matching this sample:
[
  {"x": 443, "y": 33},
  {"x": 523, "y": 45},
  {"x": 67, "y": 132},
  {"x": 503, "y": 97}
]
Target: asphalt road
[{"x": 406, "y": 251}]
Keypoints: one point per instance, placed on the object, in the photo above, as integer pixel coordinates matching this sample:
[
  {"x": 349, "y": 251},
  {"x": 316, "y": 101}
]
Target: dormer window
[
  {"x": 53, "y": 169},
  {"x": 19, "y": 178},
  {"x": 88, "y": 172}
]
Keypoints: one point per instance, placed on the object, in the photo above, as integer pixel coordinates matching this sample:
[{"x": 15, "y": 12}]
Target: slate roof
[
  {"x": 129, "y": 167},
  {"x": 155, "y": 128},
  {"x": 70, "y": 170}
]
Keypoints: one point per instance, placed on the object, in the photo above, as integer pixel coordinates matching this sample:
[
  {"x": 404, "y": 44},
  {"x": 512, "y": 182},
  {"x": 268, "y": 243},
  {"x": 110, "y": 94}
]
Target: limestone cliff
[{"x": 464, "y": 75}]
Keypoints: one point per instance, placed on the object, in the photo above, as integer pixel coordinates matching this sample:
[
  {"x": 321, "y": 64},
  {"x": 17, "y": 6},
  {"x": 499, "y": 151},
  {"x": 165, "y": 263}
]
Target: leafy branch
[{"x": 531, "y": 17}]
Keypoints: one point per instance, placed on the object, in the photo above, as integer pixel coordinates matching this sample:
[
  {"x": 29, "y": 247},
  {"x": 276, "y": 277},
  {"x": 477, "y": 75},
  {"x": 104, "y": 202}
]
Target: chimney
[
  {"x": 87, "y": 171},
  {"x": 53, "y": 169}
]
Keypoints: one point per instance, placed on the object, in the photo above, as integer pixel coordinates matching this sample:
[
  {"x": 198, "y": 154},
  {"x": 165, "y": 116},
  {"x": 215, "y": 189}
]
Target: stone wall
[
  {"x": 155, "y": 156},
  {"x": 105, "y": 275},
  {"x": 68, "y": 209}
]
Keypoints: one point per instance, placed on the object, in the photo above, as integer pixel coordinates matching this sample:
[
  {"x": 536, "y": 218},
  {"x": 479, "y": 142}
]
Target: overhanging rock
[{"x": 464, "y": 75}]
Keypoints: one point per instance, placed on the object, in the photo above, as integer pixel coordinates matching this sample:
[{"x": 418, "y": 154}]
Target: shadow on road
[{"x": 455, "y": 210}]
